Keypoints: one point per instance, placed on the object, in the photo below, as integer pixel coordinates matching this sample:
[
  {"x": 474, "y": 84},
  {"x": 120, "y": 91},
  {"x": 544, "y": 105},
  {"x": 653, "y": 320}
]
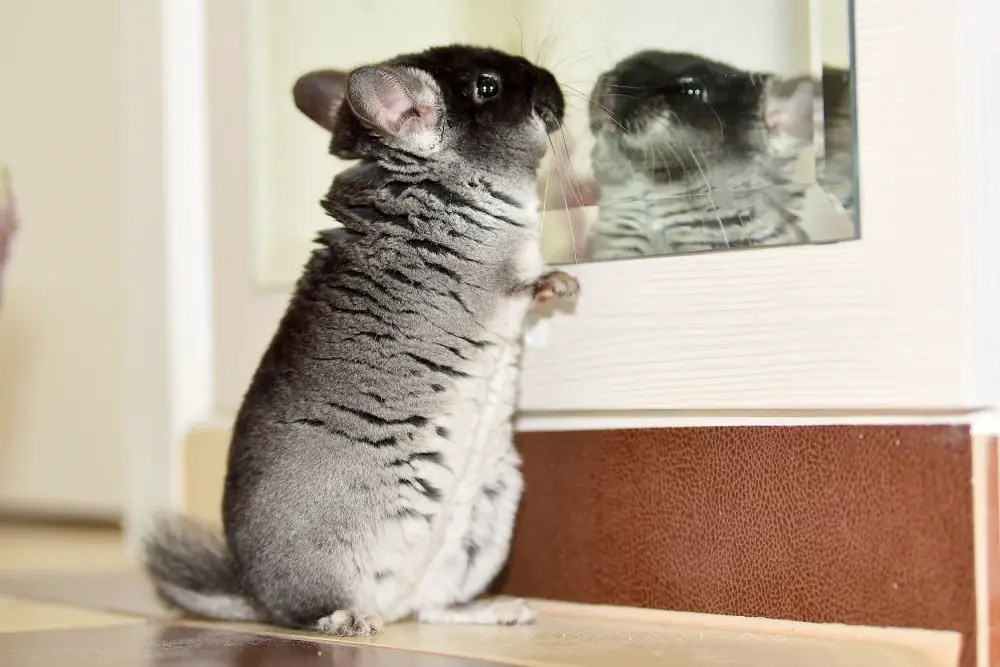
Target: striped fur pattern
[
  {"x": 372, "y": 474},
  {"x": 688, "y": 158}
]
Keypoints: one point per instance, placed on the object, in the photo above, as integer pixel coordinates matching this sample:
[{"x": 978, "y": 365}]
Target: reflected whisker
[
  {"x": 722, "y": 126},
  {"x": 590, "y": 100},
  {"x": 628, "y": 97},
  {"x": 680, "y": 161},
  {"x": 708, "y": 193},
  {"x": 666, "y": 162}
]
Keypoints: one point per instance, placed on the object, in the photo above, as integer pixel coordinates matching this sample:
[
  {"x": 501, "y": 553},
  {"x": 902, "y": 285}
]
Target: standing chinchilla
[{"x": 372, "y": 474}]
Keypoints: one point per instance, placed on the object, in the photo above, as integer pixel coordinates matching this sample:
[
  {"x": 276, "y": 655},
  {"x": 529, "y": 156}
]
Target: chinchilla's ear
[
  {"x": 399, "y": 104},
  {"x": 789, "y": 108},
  {"x": 319, "y": 95}
]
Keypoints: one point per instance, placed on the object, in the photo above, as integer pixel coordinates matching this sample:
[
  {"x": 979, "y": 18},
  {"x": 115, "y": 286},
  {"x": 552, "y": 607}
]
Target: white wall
[
  {"x": 62, "y": 382},
  {"x": 105, "y": 329}
]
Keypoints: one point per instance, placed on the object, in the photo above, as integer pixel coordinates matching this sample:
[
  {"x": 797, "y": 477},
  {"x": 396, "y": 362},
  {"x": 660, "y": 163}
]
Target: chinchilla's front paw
[{"x": 555, "y": 285}]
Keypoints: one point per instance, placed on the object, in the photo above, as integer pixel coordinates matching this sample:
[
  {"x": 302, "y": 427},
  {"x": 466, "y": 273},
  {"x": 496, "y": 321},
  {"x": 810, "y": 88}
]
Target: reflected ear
[
  {"x": 789, "y": 108},
  {"x": 319, "y": 95},
  {"x": 396, "y": 103}
]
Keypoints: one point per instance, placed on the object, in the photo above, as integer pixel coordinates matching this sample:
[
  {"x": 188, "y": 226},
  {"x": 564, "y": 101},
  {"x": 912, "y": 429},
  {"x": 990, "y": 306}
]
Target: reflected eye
[
  {"x": 487, "y": 86},
  {"x": 693, "y": 88}
]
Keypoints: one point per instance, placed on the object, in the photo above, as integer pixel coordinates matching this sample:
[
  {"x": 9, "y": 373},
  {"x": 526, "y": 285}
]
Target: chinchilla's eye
[
  {"x": 487, "y": 87},
  {"x": 692, "y": 88}
]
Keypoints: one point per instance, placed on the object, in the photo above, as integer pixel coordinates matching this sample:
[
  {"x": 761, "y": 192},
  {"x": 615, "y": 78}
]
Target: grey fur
[
  {"x": 194, "y": 570},
  {"x": 372, "y": 474}
]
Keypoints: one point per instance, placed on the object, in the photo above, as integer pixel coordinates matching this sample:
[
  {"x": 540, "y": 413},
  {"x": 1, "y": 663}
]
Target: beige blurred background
[{"x": 62, "y": 377}]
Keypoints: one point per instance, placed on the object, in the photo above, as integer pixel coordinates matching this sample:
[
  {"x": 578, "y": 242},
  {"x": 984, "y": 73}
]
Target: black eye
[
  {"x": 487, "y": 86},
  {"x": 692, "y": 88}
]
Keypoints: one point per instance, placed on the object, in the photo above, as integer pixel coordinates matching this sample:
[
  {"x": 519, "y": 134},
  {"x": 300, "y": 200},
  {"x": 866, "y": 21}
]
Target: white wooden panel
[{"x": 884, "y": 323}]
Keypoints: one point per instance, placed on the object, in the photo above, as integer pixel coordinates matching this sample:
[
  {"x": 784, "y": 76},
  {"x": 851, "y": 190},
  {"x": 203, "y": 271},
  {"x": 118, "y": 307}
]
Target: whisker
[
  {"x": 590, "y": 100},
  {"x": 574, "y": 55},
  {"x": 545, "y": 200},
  {"x": 628, "y": 97},
  {"x": 708, "y": 193},
  {"x": 618, "y": 85},
  {"x": 520, "y": 27},
  {"x": 576, "y": 59},
  {"x": 554, "y": 35},
  {"x": 541, "y": 47},
  {"x": 575, "y": 89},
  {"x": 567, "y": 174}
]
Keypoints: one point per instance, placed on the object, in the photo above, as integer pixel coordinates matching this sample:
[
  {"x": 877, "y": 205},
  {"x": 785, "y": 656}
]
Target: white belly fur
[{"x": 428, "y": 559}]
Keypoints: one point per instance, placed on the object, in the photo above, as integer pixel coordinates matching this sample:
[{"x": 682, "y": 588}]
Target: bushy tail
[{"x": 192, "y": 569}]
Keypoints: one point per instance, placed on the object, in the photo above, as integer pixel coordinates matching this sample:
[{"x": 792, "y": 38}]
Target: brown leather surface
[
  {"x": 849, "y": 524},
  {"x": 155, "y": 644}
]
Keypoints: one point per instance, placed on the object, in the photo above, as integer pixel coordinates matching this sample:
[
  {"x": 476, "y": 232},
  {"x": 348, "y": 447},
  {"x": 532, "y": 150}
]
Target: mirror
[{"x": 690, "y": 126}]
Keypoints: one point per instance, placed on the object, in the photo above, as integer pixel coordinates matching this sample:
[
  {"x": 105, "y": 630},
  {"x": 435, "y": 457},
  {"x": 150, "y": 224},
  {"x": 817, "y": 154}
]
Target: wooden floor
[{"x": 72, "y": 597}]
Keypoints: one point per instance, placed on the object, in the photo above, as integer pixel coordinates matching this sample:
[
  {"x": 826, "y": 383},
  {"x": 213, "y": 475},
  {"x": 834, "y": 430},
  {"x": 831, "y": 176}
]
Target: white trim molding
[
  {"x": 162, "y": 109},
  {"x": 548, "y": 422}
]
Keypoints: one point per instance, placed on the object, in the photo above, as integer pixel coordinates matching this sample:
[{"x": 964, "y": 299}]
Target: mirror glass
[{"x": 691, "y": 126}]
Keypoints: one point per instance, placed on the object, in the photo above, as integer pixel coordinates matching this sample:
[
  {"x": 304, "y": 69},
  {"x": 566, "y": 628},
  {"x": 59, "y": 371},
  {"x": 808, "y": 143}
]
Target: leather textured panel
[{"x": 863, "y": 525}]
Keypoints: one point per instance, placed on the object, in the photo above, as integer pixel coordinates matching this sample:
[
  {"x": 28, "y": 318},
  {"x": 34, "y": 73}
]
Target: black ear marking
[{"x": 319, "y": 94}]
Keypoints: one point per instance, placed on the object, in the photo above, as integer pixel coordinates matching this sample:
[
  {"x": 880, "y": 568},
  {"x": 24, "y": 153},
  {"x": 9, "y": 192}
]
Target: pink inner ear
[
  {"x": 395, "y": 104},
  {"x": 774, "y": 118},
  {"x": 386, "y": 101}
]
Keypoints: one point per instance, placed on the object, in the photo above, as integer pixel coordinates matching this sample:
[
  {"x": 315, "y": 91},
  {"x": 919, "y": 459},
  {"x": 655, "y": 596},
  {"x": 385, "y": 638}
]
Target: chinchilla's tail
[{"x": 192, "y": 570}]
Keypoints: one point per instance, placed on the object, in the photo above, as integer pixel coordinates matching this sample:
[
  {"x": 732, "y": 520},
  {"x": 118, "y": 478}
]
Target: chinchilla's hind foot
[{"x": 348, "y": 623}]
